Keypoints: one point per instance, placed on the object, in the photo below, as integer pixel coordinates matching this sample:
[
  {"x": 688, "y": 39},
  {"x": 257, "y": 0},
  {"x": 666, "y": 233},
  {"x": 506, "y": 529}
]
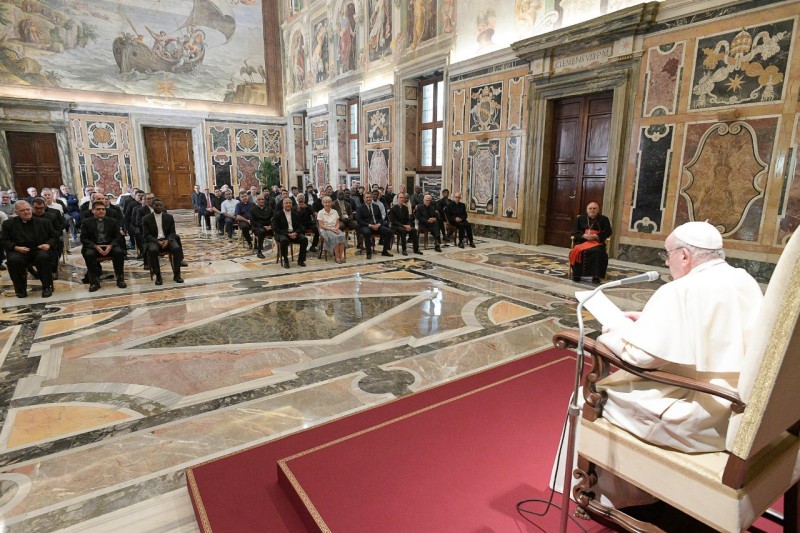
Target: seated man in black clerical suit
[
  {"x": 428, "y": 220},
  {"x": 309, "y": 220},
  {"x": 589, "y": 256},
  {"x": 371, "y": 222},
  {"x": 288, "y": 227},
  {"x": 100, "y": 238},
  {"x": 402, "y": 223},
  {"x": 27, "y": 241},
  {"x": 456, "y": 214},
  {"x": 158, "y": 232},
  {"x": 40, "y": 210},
  {"x": 261, "y": 220},
  {"x": 342, "y": 206}
]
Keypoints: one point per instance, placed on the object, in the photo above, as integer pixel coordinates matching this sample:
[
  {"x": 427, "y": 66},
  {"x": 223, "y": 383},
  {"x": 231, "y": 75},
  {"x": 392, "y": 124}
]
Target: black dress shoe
[
  {"x": 369, "y": 254},
  {"x": 461, "y": 245},
  {"x": 313, "y": 249},
  {"x": 177, "y": 279},
  {"x": 437, "y": 248},
  {"x": 55, "y": 275},
  {"x": 47, "y": 292},
  {"x": 22, "y": 294},
  {"x": 184, "y": 263},
  {"x": 419, "y": 252},
  {"x": 386, "y": 253},
  {"x": 285, "y": 263},
  {"x": 576, "y": 278},
  {"x": 159, "y": 281},
  {"x": 472, "y": 245},
  {"x": 3, "y": 267},
  {"x": 85, "y": 279},
  {"x": 121, "y": 284},
  {"x": 596, "y": 280},
  {"x": 301, "y": 263},
  {"x": 405, "y": 252},
  {"x": 94, "y": 287},
  {"x": 260, "y": 255}
]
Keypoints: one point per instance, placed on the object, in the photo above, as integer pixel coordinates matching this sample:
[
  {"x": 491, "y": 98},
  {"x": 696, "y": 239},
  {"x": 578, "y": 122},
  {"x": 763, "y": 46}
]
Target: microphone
[{"x": 641, "y": 278}]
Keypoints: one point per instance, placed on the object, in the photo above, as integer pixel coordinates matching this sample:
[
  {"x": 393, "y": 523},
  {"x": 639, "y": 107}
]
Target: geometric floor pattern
[{"x": 107, "y": 397}]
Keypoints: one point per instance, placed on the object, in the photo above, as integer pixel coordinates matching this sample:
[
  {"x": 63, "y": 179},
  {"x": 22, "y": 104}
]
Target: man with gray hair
[{"x": 698, "y": 325}]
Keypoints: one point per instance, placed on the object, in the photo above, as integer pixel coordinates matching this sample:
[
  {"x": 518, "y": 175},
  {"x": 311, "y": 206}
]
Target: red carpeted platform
[{"x": 241, "y": 493}]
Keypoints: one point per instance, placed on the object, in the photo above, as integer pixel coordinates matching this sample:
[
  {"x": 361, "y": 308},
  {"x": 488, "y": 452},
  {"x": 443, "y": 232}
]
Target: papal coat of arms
[{"x": 485, "y": 112}]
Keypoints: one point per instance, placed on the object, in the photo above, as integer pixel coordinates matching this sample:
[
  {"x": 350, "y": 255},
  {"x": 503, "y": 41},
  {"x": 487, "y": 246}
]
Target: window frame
[
  {"x": 353, "y": 136},
  {"x": 436, "y": 123}
]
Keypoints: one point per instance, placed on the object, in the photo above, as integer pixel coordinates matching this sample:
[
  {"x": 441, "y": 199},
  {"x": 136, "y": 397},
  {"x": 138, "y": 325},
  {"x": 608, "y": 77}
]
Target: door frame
[
  {"x": 139, "y": 121},
  {"x": 543, "y": 94},
  {"x": 43, "y": 118}
]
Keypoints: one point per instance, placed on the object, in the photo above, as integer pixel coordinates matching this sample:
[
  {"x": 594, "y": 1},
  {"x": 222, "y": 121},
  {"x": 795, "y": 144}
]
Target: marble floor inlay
[{"x": 107, "y": 397}]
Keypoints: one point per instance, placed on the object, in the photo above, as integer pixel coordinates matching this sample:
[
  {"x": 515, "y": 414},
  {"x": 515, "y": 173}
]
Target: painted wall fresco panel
[
  {"x": 651, "y": 178},
  {"x": 178, "y": 49},
  {"x": 346, "y": 32},
  {"x": 379, "y": 39},
  {"x": 742, "y": 67},
  {"x": 663, "y": 79}
]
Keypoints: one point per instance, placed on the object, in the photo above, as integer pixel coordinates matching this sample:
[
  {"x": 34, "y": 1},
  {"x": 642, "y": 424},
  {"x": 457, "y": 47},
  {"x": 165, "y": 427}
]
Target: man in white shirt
[
  {"x": 227, "y": 213},
  {"x": 158, "y": 230}
]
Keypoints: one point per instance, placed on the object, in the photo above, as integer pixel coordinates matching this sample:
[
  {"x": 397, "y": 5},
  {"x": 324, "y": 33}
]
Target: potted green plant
[{"x": 269, "y": 173}]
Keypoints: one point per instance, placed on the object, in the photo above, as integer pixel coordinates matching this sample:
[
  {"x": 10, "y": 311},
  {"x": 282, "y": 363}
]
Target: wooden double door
[
  {"x": 170, "y": 165},
  {"x": 578, "y": 162},
  {"x": 34, "y": 161}
]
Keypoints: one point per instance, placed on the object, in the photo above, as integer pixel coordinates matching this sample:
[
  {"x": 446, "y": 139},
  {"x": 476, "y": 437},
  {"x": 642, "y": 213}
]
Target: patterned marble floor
[{"x": 106, "y": 398}]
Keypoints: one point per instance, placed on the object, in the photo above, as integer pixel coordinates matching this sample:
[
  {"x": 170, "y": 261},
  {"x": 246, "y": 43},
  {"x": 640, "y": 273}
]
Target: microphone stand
[{"x": 573, "y": 412}]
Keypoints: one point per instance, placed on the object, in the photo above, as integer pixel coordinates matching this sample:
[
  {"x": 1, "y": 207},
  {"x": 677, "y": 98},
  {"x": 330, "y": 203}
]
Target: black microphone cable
[{"x": 549, "y": 502}]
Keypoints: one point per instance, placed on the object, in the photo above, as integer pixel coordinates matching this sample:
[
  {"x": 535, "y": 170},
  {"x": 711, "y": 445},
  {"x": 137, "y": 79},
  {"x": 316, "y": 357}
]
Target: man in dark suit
[
  {"x": 158, "y": 233},
  {"x": 428, "y": 220},
  {"x": 27, "y": 241},
  {"x": 40, "y": 210},
  {"x": 261, "y": 220},
  {"x": 288, "y": 227},
  {"x": 309, "y": 221},
  {"x": 370, "y": 222},
  {"x": 456, "y": 214},
  {"x": 100, "y": 238},
  {"x": 131, "y": 206},
  {"x": 342, "y": 205},
  {"x": 402, "y": 224},
  {"x": 196, "y": 199}
]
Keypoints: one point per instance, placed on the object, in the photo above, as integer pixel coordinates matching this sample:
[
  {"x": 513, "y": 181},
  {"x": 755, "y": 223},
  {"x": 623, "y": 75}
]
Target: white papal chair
[{"x": 726, "y": 490}]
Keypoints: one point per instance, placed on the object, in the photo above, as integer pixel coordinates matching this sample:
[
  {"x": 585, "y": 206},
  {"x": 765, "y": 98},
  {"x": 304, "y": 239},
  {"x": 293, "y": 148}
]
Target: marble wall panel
[
  {"x": 319, "y": 134},
  {"x": 103, "y": 140},
  {"x": 651, "y": 178},
  {"x": 320, "y": 170},
  {"x": 379, "y": 166},
  {"x": 725, "y": 168},
  {"x": 431, "y": 184},
  {"x": 457, "y": 166},
  {"x": 341, "y": 143},
  {"x": 742, "y": 67},
  {"x": 516, "y": 103},
  {"x": 412, "y": 138},
  {"x": 663, "y": 78},
  {"x": 483, "y": 167},
  {"x": 458, "y": 105},
  {"x": 789, "y": 207},
  {"x": 299, "y": 149},
  {"x": 237, "y": 151},
  {"x": 511, "y": 179}
]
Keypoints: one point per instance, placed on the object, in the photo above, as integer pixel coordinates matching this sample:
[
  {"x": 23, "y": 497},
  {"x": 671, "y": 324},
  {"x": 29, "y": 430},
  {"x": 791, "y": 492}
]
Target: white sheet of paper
[{"x": 604, "y": 310}]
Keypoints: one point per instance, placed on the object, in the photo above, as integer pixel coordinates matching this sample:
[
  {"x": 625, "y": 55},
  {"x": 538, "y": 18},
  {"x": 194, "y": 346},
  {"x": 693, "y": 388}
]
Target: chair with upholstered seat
[{"x": 727, "y": 490}]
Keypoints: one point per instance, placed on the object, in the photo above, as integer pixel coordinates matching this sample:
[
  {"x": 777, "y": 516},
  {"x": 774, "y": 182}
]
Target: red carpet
[{"x": 241, "y": 493}]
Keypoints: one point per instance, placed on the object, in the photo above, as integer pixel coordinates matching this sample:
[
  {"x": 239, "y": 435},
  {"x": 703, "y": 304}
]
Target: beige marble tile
[{"x": 45, "y": 422}]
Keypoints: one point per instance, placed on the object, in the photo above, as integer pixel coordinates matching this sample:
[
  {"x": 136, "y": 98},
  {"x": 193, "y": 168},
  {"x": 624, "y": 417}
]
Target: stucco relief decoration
[
  {"x": 320, "y": 55},
  {"x": 346, "y": 33},
  {"x": 511, "y": 178},
  {"x": 742, "y": 67},
  {"x": 102, "y": 135},
  {"x": 157, "y": 49},
  {"x": 483, "y": 166},
  {"x": 725, "y": 177},
  {"x": 662, "y": 79},
  {"x": 246, "y": 140},
  {"x": 457, "y": 165},
  {"x": 379, "y": 126},
  {"x": 106, "y": 172},
  {"x": 378, "y": 166},
  {"x": 484, "y": 115},
  {"x": 220, "y": 139},
  {"x": 379, "y": 39}
]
